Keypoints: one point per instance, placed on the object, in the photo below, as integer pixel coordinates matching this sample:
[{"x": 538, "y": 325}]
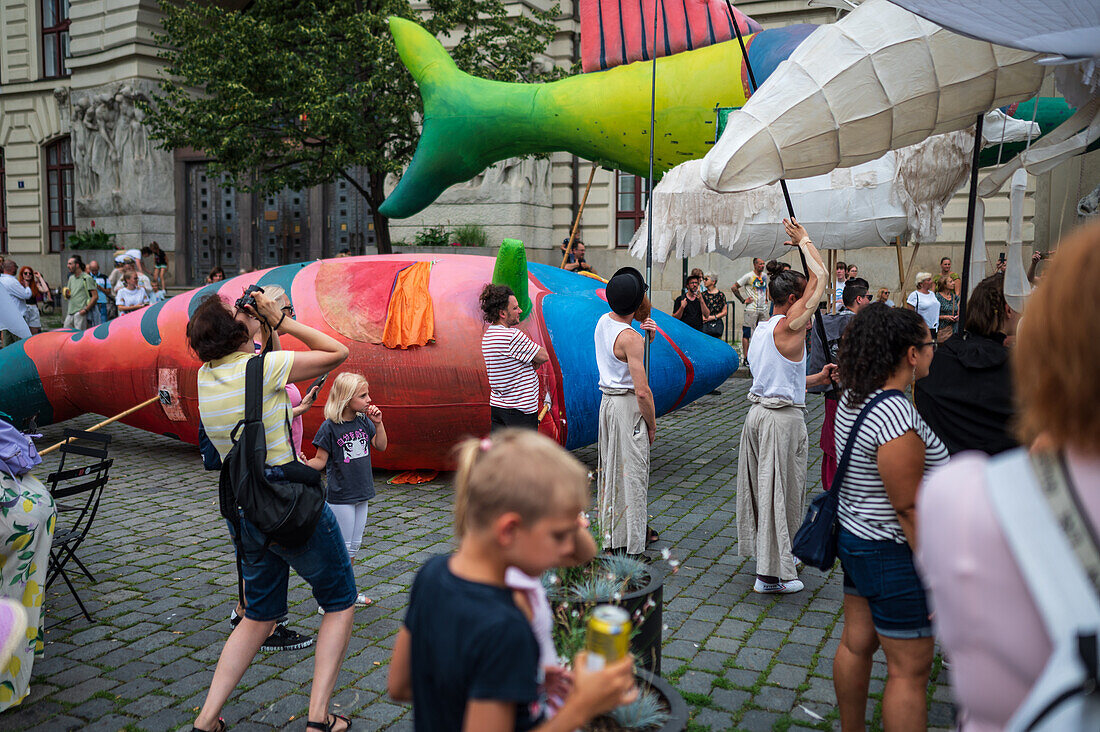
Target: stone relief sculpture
[
  {"x": 528, "y": 176},
  {"x": 115, "y": 167}
]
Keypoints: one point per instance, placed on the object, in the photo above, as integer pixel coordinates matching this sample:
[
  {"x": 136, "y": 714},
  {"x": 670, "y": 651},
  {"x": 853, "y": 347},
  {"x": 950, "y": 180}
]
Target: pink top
[
  {"x": 542, "y": 620},
  {"x": 295, "y": 397},
  {"x": 991, "y": 631}
]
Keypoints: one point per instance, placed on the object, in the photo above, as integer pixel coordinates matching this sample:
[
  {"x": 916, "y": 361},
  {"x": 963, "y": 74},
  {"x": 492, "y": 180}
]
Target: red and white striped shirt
[{"x": 513, "y": 383}]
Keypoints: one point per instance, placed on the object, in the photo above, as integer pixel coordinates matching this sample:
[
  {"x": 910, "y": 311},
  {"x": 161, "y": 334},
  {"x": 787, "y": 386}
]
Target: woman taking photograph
[
  {"x": 39, "y": 292},
  {"x": 883, "y": 349},
  {"x": 224, "y": 340},
  {"x": 989, "y": 623},
  {"x": 771, "y": 481}
]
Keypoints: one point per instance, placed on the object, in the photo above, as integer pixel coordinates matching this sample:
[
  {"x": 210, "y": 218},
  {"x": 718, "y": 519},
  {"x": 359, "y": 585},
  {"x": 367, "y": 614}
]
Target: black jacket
[{"x": 967, "y": 396}]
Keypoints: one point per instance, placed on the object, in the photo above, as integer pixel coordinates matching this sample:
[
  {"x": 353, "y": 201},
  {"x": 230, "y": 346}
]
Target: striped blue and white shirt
[{"x": 864, "y": 508}]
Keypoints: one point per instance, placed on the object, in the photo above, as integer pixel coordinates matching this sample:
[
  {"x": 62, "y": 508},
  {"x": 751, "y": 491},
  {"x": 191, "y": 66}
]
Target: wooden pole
[
  {"x": 104, "y": 423},
  {"x": 901, "y": 267},
  {"x": 908, "y": 272},
  {"x": 577, "y": 221}
]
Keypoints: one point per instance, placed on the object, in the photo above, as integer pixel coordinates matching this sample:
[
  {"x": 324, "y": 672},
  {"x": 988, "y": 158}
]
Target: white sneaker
[
  {"x": 779, "y": 588},
  {"x": 361, "y": 600}
]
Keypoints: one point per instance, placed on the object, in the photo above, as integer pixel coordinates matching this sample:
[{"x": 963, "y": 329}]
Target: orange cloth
[{"x": 410, "y": 320}]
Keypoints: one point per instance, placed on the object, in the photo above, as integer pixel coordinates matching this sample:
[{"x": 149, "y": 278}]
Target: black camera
[{"x": 247, "y": 300}]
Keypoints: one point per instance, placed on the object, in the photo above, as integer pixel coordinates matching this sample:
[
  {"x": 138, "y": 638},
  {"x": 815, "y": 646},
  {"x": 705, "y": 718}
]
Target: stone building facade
[{"x": 75, "y": 154}]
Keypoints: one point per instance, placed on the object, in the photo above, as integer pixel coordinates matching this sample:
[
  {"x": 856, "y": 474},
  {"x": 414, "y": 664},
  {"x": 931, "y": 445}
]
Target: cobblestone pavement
[{"x": 165, "y": 584}]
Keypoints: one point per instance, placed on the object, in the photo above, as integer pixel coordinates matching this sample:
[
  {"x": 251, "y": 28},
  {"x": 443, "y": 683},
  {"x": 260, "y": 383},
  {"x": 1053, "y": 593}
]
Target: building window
[
  {"x": 55, "y": 38},
  {"x": 630, "y": 203},
  {"x": 3, "y": 208},
  {"x": 59, "y": 192}
]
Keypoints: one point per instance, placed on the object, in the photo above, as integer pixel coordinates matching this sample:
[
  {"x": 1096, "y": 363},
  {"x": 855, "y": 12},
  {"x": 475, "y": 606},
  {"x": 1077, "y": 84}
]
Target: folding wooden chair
[{"x": 76, "y": 491}]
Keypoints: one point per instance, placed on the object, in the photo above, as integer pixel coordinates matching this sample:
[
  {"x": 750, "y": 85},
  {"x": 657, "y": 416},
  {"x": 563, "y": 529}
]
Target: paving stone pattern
[{"x": 165, "y": 584}]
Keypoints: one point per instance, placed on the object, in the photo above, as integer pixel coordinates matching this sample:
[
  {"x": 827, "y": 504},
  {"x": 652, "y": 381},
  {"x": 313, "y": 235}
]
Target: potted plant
[
  {"x": 636, "y": 586},
  {"x": 658, "y": 708}
]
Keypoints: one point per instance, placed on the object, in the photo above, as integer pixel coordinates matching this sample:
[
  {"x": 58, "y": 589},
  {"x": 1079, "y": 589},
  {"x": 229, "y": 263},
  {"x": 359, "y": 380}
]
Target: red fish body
[{"x": 431, "y": 396}]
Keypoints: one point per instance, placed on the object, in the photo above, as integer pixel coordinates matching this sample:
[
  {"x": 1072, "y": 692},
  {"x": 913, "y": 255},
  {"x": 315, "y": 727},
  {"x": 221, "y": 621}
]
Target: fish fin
[
  {"x": 614, "y": 34},
  {"x": 467, "y": 121},
  {"x": 511, "y": 270}
]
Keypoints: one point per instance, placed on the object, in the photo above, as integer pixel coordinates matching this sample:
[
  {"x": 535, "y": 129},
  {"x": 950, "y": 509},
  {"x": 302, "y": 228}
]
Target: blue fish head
[{"x": 684, "y": 364}]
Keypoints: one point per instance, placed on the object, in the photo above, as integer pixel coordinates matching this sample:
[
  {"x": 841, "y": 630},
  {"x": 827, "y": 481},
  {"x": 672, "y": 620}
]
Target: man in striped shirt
[{"x": 510, "y": 361}]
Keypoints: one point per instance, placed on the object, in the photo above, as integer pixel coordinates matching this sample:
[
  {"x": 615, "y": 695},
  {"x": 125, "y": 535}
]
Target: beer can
[{"x": 608, "y": 636}]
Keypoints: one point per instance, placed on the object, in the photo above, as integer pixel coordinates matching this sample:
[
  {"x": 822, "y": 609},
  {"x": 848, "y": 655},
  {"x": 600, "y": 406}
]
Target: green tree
[{"x": 293, "y": 93}]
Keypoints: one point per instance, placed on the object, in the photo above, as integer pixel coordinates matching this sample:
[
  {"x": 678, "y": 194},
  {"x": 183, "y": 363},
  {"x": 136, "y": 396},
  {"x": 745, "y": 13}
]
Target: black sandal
[
  {"x": 219, "y": 727},
  {"x": 651, "y": 535},
  {"x": 327, "y": 726}
]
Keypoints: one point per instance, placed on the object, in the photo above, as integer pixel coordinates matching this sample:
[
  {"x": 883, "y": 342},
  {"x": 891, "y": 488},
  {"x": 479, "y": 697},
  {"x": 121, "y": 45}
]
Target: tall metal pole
[
  {"x": 819, "y": 324},
  {"x": 649, "y": 182},
  {"x": 971, "y": 205}
]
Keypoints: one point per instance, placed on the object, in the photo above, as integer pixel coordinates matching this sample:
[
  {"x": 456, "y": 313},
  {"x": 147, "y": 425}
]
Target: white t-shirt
[
  {"x": 143, "y": 284},
  {"x": 839, "y": 295},
  {"x": 127, "y": 298},
  {"x": 758, "y": 286},
  {"x": 513, "y": 383},
  {"x": 864, "y": 508},
  {"x": 928, "y": 307}
]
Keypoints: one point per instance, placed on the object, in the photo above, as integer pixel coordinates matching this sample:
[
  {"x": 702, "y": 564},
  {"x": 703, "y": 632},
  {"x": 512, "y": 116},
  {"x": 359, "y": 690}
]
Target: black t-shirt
[
  {"x": 469, "y": 641},
  {"x": 693, "y": 311},
  {"x": 967, "y": 396}
]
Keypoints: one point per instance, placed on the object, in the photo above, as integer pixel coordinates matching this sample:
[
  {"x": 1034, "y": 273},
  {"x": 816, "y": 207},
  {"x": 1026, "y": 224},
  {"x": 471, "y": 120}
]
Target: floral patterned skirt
[{"x": 27, "y": 518}]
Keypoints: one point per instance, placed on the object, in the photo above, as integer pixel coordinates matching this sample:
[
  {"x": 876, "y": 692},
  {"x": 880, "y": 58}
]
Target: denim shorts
[
  {"x": 882, "y": 572},
  {"x": 323, "y": 562}
]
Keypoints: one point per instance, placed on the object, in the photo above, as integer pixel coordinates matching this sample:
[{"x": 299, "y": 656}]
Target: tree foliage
[{"x": 294, "y": 93}]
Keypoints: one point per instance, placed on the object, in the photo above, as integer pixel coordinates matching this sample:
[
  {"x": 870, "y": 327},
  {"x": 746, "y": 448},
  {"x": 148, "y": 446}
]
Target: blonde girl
[
  {"x": 352, "y": 426},
  {"x": 466, "y": 656}
]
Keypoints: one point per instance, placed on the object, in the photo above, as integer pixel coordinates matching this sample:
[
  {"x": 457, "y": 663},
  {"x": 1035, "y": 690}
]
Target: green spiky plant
[
  {"x": 648, "y": 711},
  {"x": 470, "y": 235}
]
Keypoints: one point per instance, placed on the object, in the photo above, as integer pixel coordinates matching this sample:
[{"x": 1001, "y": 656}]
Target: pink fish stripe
[{"x": 615, "y": 32}]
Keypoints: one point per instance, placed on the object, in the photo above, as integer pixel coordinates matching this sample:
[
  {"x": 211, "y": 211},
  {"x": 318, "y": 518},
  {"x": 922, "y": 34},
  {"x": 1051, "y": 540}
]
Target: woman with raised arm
[
  {"x": 224, "y": 338},
  {"x": 771, "y": 477}
]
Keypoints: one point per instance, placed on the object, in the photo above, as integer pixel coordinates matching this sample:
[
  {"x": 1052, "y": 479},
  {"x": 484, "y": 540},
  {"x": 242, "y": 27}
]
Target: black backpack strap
[
  {"x": 842, "y": 467},
  {"x": 254, "y": 388}
]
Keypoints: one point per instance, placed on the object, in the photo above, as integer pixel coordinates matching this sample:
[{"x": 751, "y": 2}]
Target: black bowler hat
[{"x": 625, "y": 291}]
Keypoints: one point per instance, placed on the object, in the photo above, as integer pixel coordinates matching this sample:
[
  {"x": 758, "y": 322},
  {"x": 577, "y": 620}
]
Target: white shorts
[
  {"x": 753, "y": 317},
  {"x": 32, "y": 316},
  {"x": 76, "y": 321}
]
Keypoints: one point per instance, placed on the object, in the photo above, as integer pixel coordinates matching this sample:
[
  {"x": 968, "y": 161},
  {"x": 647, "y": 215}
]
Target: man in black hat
[{"x": 628, "y": 420}]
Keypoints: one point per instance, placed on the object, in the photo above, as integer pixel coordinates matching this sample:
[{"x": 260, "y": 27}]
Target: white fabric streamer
[{"x": 1017, "y": 288}]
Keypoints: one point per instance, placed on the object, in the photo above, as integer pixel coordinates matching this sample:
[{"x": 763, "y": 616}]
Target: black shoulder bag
[
  {"x": 286, "y": 511},
  {"x": 815, "y": 542}
]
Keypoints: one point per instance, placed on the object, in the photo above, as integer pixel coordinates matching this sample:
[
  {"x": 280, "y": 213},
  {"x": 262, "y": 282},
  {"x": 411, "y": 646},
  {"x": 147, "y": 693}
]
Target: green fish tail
[{"x": 468, "y": 122}]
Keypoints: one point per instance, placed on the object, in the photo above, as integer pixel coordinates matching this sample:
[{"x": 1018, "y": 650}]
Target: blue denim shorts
[
  {"x": 882, "y": 572},
  {"x": 323, "y": 562}
]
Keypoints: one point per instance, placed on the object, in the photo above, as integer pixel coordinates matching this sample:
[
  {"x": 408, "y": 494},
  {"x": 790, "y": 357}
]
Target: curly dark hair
[
  {"x": 874, "y": 343},
  {"x": 493, "y": 299},
  {"x": 213, "y": 332}
]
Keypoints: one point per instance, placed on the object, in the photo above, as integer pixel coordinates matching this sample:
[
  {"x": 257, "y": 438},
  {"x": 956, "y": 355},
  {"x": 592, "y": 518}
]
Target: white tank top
[
  {"x": 614, "y": 374},
  {"x": 773, "y": 374}
]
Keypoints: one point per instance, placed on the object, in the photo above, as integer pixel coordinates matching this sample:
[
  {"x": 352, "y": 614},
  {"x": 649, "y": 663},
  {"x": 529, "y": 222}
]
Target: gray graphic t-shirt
[{"x": 350, "y": 479}]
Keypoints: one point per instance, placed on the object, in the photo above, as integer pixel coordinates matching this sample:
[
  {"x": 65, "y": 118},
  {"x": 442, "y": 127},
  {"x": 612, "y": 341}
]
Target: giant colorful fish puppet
[
  {"x": 471, "y": 123},
  {"x": 603, "y": 116},
  {"x": 431, "y": 395}
]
